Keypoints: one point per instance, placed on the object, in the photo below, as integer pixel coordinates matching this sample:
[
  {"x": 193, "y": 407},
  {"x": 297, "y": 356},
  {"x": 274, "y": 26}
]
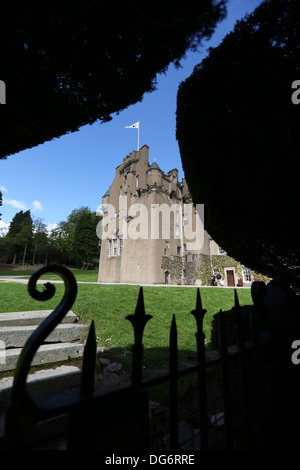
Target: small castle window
[
  {"x": 115, "y": 247},
  {"x": 247, "y": 275}
]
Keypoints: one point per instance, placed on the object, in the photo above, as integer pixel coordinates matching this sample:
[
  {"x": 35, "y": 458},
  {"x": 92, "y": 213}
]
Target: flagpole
[{"x": 136, "y": 125}]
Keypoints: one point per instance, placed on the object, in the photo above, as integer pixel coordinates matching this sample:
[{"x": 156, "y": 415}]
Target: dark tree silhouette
[
  {"x": 238, "y": 133},
  {"x": 66, "y": 64}
]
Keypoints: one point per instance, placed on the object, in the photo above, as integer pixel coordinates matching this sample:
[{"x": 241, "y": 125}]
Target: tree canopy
[
  {"x": 76, "y": 238},
  {"x": 67, "y": 64},
  {"x": 19, "y": 237},
  {"x": 74, "y": 242},
  {"x": 237, "y": 129}
]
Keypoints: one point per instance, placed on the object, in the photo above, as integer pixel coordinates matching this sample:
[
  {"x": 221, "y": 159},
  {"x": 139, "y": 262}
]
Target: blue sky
[{"x": 75, "y": 170}]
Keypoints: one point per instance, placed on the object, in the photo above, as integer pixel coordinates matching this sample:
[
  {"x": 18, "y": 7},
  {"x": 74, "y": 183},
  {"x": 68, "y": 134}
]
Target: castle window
[
  {"x": 109, "y": 247},
  {"x": 184, "y": 247},
  {"x": 121, "y": 190},
  {"x": 115, "y": 247},
  {"x": 184, "y": 273},
  {"x": 178, "y": 250},
  {"x": 247, "y": 275},
  {"x": 120, "y": 246},
  {"x": 137, "y": 182},
  {"x": 221, "y": 251}
]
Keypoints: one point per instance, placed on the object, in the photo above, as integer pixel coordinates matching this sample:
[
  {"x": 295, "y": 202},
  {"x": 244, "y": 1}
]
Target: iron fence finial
[{"x": 138, "y": 321}]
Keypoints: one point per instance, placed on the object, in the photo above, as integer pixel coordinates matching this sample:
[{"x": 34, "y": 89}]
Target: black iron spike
[
  {"x": 140, "y": 306},
  {"x": 199, "y": 300},
  {"x": 89, "y": 363},
  {"x": 199, "y": 313},
  {"x": 236, "y": 299},
  {"x": 225, "y": 380},
  {"x": 174, "y": 437},
  {"x": 138, "y": 321},
  {"x": 222, "y": 333},
  {"x": 173, "y": 346},
  {"x": 239, "y": 329}
]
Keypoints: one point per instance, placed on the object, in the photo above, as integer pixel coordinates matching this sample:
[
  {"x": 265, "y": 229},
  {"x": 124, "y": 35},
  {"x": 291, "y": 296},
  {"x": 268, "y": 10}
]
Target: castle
[{"x": 153, "y": 234}]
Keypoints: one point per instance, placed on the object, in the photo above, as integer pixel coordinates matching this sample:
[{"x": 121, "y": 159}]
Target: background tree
[
  {"x": 74, "y": 241},
  {"x": 40, "y": 241},
  {"x": 86, "y": 241},
  {"x": 57, "y": 248},
  {"x": 67, "y": 64},
  {"x": 19, "y": 237},
  {"x": 238, "y": 133}
]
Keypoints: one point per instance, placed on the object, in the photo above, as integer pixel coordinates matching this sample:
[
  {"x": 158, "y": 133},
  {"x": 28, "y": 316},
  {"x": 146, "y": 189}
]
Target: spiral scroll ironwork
[{"x": 46, "y": 327}]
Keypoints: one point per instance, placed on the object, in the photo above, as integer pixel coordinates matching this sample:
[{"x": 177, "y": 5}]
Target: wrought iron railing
[{"x": 90, "y": 421}]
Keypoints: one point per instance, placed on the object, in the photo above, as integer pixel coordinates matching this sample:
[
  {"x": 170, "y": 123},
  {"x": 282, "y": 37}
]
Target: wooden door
[{"x": 230, "y": 278}]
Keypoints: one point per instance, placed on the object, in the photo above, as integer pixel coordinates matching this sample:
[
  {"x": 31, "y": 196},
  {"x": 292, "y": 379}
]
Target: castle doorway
[
  {"x": 230, "y": 277},
  {"x": 167, "y": 277}
]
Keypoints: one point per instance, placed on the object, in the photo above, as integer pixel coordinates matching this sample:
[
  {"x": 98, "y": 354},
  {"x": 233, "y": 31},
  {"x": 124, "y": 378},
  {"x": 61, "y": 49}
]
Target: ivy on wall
[
  {"x": 219, "y": 262},
  {"x": 174, "y": 266},
  {"x": 198, "y": 267},
  {"x": 203, "y": 271},
  {"x": 259, "y": 277}
]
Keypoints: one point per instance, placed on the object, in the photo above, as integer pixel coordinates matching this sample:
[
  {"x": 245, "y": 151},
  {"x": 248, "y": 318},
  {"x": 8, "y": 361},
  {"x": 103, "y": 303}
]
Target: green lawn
[
  {"x": 108, "y": 306},
  {"x": 82, "y": 276}
]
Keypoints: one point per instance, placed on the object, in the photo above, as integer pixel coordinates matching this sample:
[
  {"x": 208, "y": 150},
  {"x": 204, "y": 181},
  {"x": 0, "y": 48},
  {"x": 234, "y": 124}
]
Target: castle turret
[{"x": 154, "y": 175}]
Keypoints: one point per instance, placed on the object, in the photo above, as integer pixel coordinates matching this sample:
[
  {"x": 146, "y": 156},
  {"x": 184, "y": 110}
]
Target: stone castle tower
[{"x": 145, "y": 235}]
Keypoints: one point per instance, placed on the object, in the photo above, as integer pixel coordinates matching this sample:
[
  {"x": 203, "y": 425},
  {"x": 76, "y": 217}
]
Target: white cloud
[
  {"x": 3, "y": 189},
  {"x": 51, "y": 227},
  {"x": 3, "y": 228},
  {"x": 37, "y": 206},
  {"x": 14, "y": 203}
]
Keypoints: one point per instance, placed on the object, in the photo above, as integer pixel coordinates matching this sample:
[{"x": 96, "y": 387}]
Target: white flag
[{"x": 134, "y": 126}]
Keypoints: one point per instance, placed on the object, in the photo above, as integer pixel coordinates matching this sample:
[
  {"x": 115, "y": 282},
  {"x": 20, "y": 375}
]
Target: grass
[
  {"x": 80, "y": 276},
  {"x": 108, "y": 306}
]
